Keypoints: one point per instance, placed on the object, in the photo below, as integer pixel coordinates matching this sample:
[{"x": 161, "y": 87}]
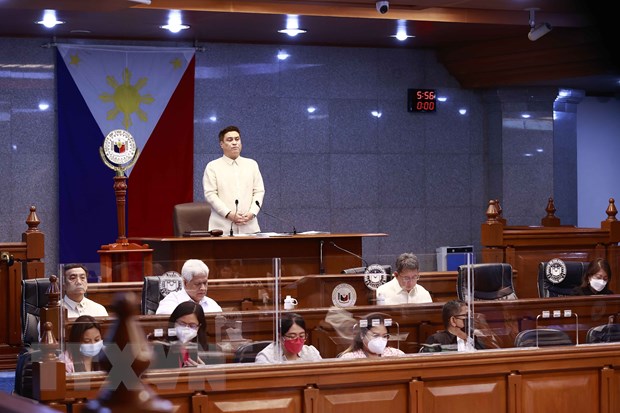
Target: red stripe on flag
[{"x": 164, "y": 173}]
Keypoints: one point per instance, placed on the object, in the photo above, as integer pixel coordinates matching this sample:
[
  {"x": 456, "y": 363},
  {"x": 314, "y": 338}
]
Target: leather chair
[
  {"x": 542, "y": 337},
  {"x": 156, "y": 287},
  {"x": 246, "y": 353},
  {"x": 191, "y": 216},
  {"x": 491, "y": 281},
  {"x": 574, "y": 274},
  {"x": 605, "y": 333},
  {"x": 23, "y": 372},
  {"x": 34, "y": 298}
]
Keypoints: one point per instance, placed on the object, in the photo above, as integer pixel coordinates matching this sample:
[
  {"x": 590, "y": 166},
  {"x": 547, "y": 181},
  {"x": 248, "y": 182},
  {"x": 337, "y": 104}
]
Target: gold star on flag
[
  {"x": 75, "y": 59},
  {"x": 176, "y": 63}
]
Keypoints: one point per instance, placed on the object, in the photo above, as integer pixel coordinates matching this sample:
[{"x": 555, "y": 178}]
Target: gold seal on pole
[{"x": 119, "y": 151}]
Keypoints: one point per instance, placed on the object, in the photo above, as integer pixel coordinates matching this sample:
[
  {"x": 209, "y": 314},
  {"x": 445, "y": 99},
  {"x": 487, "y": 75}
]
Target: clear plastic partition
[{"x": 327, "y": 306}]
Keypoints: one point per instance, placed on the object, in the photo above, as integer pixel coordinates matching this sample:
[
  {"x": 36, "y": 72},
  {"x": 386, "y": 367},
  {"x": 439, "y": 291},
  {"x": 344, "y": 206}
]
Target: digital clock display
[{"x": 421, "y": 100}]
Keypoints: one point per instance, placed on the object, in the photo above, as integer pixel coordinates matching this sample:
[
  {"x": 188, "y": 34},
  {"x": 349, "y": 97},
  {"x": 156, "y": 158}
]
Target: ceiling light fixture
[
  {"x": 401, "y": 31},
  {"x": 49, "y": 19},
  {"x": 175, "y": 23},
  {"x": 537, "y": 31},
  {"x": 292, "y": 26}
]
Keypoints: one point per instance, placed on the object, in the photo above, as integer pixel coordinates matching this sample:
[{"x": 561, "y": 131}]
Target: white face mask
[
  {"x": 377, "y": 345},
  {"x": 597, "y": 284},
  {"x": 185, "y": 334},
  {"x": 91, "y": 349}
]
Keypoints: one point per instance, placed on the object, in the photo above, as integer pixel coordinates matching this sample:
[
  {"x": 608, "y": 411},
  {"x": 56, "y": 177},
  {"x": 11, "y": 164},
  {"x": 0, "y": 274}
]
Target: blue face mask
[{"x": 91, "y": 349}]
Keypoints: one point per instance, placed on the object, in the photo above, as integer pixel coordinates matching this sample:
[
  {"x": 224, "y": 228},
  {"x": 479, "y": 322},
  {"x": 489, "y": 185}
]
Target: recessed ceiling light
[
  {"x": 49, "y": 19},
  {"x": 292, "y": 26},
  {"x": 175, "y": 23},
  {"x": 401, "y": 31}
]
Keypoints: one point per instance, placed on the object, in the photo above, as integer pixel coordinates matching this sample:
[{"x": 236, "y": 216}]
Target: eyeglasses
[
  {"x": 193, "y": 326},
  {"x": 409, "y": 279},
  {"x": 460, "y": 316},
  {"x": 295, "y": 336},
  {"x": 375, "y": 335}
]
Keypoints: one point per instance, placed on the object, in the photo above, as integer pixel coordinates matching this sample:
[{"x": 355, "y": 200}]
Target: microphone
[
  {"x": 233, "y": 221},
  {"x": 353, "y": 270},
  {"x": 279, "y": 219}
]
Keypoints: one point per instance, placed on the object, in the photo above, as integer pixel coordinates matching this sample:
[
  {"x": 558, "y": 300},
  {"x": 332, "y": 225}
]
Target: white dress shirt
[
  {"x": 269, "y": 355},
  {"x": 170, "y": 302},
  {"x": 395, "y": 294},
  {"x": 84, "y": 307},
  {"x": 226, "y": 180}
]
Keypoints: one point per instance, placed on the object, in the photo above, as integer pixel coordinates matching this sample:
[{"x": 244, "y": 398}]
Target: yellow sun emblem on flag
[{"x": 126, "y": 98}]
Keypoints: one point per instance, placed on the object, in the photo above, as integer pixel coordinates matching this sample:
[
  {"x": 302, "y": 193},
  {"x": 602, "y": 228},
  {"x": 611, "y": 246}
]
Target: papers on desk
[{"x": 282, "y": 234}]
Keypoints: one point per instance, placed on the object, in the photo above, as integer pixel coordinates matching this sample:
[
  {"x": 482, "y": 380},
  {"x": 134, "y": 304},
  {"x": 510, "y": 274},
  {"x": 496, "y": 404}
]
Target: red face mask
[{"x": 294, "y": 346}]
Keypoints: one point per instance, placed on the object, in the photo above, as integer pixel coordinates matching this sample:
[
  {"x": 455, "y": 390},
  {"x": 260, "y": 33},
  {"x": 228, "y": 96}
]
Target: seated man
[
  {"x": 404, "y": 287},
  {"x": 195, "y": 274},
  {"x": 75, "y": 285},
  {"x": 454, "y": 337}
]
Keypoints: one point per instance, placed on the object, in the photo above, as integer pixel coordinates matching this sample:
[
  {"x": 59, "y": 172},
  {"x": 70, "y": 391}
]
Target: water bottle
[
  {"x": 380, "y": 299},
  {"x": 289, "y": 303}
]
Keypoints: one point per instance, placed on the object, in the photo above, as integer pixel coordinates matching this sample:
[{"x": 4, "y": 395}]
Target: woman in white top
[
  {"x": 291, "y": 345},
  {"x": 371, "y": 338}
]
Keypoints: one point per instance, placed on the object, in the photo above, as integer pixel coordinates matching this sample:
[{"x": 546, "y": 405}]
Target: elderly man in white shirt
[
  {"x": 75, "y": 285},
  {"x": 404, "y": 287},
  {"x": 195, "y": 274},
  {"x": 233, "y": 185}
]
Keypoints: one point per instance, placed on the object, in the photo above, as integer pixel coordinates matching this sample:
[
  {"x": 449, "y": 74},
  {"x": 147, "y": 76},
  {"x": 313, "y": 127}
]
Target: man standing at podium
[{"x": 232, "y": 186}]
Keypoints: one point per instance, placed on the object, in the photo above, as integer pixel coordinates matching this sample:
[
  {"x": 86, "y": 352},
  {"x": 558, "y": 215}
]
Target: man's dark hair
[
  {"x": 227, "y": 129},
  {"x": 449, "y": 310}
]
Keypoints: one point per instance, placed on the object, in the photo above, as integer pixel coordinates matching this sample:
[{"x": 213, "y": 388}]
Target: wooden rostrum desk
[{"x": 301, "y": 253}]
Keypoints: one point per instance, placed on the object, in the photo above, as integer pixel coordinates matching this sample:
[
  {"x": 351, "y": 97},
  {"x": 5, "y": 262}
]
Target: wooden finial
[
  {"x": 53, "y": 293},
  {"x": 33, "y": 220},
  {"x": 48, "y": 344},
  {"x": 492, "y": 211},
  {"x": 611, "y": 210},
  {"x": 128, "y": 351},
  {"x": 550, "y": 220}
]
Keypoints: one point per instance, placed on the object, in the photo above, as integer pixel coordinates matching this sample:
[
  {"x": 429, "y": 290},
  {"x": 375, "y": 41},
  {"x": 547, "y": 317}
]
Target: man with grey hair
[
  {"x": 195, "y": 274},
  {"x": 404, "y": 287}
]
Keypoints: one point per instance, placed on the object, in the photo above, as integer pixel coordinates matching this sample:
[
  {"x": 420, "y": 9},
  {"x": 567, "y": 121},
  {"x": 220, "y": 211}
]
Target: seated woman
[
  {"x": 370, "y": 341},
  {"x": 596, "y": 279},
  {"x": 83, "y": 346},
  {"x": 454, "y": 337},
  {"x": 290, "y": 346},
  {"x": 190, "y": 336}
]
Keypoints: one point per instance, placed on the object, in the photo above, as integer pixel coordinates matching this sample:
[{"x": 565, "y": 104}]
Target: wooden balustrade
[
  {"x": 18, "y": 260},
  {"x": 525, "y": 247},
  {"x": 560, "y": 379}
]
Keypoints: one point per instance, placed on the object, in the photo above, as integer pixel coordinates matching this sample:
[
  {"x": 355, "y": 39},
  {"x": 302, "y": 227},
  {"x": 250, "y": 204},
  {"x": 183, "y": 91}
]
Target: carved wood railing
[
  {"x": 18, "y": 260},
  {"x": 525, "y": 247}
]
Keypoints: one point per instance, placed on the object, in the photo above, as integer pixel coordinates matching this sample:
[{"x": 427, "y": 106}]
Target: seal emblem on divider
[
  {"x": 555, "y": 271},
  {"x": 169, "y": 282},
  {"x": 375, "y": 276},
  {"x": 344, "y": 295}
]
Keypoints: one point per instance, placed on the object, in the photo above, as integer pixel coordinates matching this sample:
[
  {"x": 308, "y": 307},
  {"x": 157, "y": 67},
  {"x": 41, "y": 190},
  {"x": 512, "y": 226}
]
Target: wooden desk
[
  {"x": 583, "y": 379},
  {"x": 415, "y": 322},
  {"x": 311, "y": 290},
  {"x": 301, "y": 253}
]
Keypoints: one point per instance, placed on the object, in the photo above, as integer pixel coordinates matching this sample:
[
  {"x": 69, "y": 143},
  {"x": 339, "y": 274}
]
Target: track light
[{"x": 537, "y": 31}]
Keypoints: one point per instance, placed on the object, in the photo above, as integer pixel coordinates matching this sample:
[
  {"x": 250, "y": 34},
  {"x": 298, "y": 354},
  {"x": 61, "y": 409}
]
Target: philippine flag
[{"x": 147, "y": 91}]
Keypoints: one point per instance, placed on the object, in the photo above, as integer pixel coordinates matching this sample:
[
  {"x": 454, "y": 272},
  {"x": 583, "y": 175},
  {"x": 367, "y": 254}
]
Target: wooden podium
[{"x": 120, "y": 260}]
